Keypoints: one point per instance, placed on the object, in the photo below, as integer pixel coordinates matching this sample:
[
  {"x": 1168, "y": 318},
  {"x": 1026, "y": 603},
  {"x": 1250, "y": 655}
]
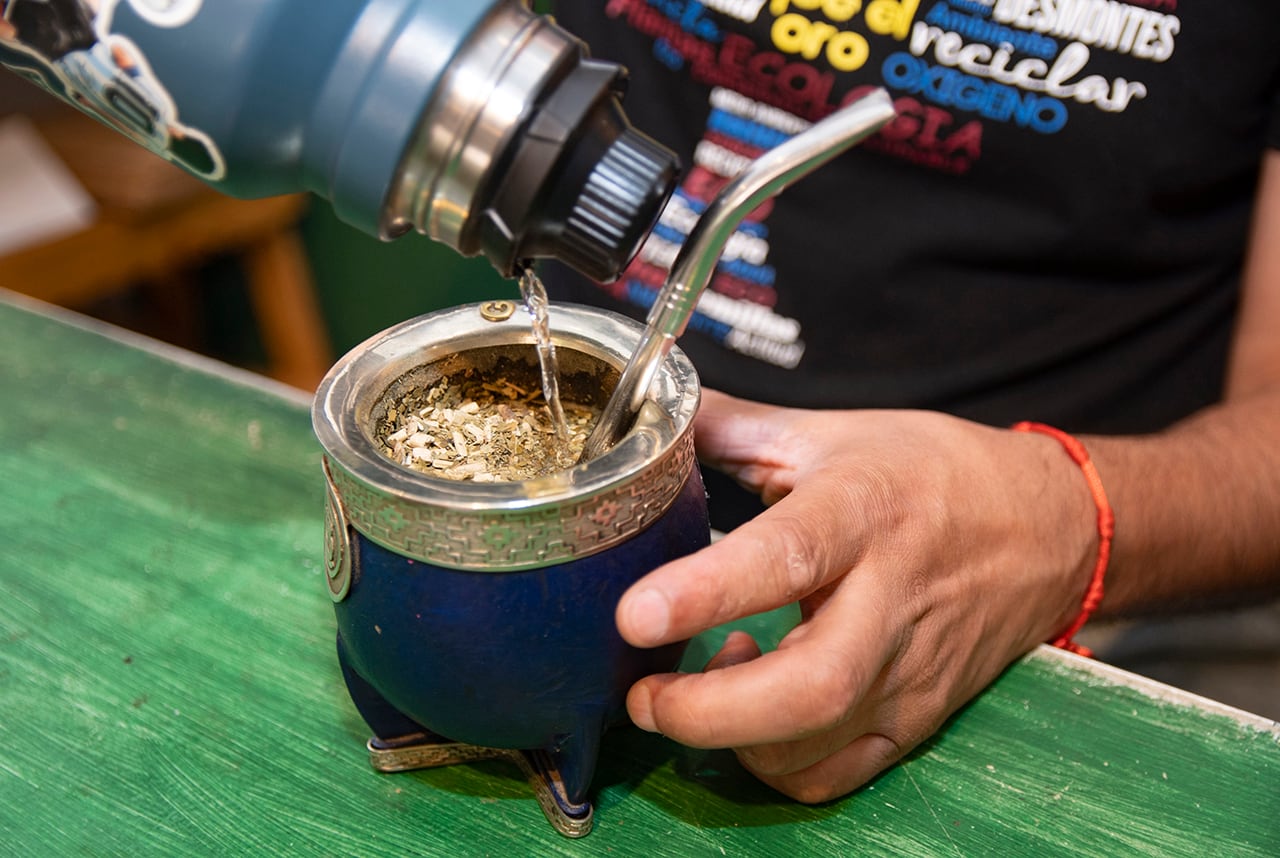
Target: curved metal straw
[{"x": 697, "y": 259}]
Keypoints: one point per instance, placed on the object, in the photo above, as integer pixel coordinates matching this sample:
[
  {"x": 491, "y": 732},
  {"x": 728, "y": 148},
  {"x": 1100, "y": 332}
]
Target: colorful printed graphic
[
  {"x": 955, "y": 68},
  {"x": 67, "y": 47}
]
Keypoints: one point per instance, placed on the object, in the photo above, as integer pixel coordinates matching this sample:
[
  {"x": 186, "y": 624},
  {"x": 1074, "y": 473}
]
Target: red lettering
[
  {"x": 650, "y": 275},
  {"x": 725, "y": 284},
  {"x": 934, "y": 120},
  {"x": 806, "y": 83},
  {"x": 733, "y": 144},
  {"x": 923, "y": 134},
  {"x": 736, "y": 287},
  {"x": 767, "y": 76},
  {"x": 734, "y": 53},
  {"x": 967, "y": 139},
  {"x": 702, "y": 184},
  {"x": 766, "y": 66},
  {"x": 647, "y": 20}
]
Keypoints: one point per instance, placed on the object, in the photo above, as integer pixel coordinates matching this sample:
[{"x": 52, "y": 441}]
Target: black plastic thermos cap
[{"x": 583, "y": 186}]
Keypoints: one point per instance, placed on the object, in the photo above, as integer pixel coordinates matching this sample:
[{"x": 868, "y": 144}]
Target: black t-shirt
[{"x": 1052, "y": 229}]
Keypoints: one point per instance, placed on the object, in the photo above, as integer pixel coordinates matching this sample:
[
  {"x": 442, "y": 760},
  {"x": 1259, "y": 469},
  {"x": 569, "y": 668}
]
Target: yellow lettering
[
  {"x": 841, "y": 10},
  {"x": 796, "y": 34},
  {"x": 793, "y": 33},
  {"x": 848, "y": 51},
  {"x": 892, "y": 17},
  {"x": 834, "y": 10},
  {"x": 790, "y": 32},
  {"x": 820, "y": 32}
]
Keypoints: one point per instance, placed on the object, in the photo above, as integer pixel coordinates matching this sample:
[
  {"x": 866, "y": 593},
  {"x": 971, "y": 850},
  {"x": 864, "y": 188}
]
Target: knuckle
[
  {"x": 794, "y": 557},
  {"x": 896, "y": 508}
]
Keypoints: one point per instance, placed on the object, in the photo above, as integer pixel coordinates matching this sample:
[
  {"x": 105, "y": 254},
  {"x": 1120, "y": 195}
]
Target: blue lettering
[
  {"x": 970, "y": 20},
  {"x": 762, "y": 275},
  {"x": 973, "y": 8},
  {"x": 1002, "y": 104},
  {"x": 644, "y": 296},
  {"x": 970, "y": 94},
  {"x": 667, "y": 54},
  {"x": 751, "y": 133},
  {"x": 670, "y": 234},
  {"x": 691, "y": 16},
  {"x": 996, "y": 101},
  {"x": 695, "y": 21},
  {"x": 705, "y": 324},
  {"x": 697, "y": 206},
  {"x": 640, "y": 294},
  {"x": 1046, "y": 115}
]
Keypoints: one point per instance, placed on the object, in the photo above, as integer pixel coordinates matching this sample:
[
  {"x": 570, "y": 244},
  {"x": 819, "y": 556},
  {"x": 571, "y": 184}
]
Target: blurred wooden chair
[{"x": 157, "y": 225}]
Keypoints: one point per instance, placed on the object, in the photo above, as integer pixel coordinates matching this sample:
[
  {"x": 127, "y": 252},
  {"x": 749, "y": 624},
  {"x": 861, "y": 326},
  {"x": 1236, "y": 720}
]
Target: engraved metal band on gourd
[
  {"x": 337, "y": 542},
  {"x": 510, "y": 540}
]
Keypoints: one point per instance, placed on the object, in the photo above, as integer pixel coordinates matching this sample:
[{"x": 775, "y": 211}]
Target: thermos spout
[{"x": 525, "y": 153}]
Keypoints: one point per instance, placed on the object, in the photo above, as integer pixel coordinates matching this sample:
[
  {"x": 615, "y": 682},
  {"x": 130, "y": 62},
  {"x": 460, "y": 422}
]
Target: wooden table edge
[
  {"x": 1153, "y": 688},
  {"x": 174, "y": 354}
]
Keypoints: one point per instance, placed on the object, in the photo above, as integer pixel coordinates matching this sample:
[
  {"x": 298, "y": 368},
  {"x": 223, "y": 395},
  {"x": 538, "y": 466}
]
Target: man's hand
[{"x": 926, "y": 554}]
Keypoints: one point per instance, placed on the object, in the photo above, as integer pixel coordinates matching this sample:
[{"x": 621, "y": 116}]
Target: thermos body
[{"x": 480, "y": 124}]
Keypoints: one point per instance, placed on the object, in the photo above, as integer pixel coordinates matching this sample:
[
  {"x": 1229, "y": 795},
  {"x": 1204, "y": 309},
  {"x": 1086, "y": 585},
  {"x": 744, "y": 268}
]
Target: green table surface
[{"x": 168, "y": 684}]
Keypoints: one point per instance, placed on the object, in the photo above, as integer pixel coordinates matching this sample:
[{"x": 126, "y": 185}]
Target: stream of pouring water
[{"x": 535, "y": 301}]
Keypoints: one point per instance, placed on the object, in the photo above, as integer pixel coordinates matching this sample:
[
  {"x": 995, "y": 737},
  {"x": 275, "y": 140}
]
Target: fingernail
[
  {"x": 648, "y": 616},
  {"x": 640, "y": 708}
]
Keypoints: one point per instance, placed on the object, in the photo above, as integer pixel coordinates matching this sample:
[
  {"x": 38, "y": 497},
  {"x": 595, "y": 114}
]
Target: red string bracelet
[{"x": 1106, "y": 530}]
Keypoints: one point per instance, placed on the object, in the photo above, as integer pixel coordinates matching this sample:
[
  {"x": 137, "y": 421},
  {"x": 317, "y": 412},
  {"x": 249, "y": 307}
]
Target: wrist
[{"x": 1097, "y": 556}]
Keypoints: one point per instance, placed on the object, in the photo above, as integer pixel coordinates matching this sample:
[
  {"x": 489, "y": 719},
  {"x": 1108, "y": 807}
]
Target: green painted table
[{"x": 168, "y": 684}]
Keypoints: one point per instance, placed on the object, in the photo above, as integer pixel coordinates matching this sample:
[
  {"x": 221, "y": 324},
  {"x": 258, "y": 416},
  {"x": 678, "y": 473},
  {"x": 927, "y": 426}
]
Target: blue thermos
[{"x": 479, "y": 124}]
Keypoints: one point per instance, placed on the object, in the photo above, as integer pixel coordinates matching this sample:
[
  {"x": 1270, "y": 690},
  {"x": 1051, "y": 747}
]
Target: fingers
[
  {"x": 818, "y": 768},
  {"x": 797, "y": 546},
  {"x": 727, "y": 428},
  {"x": 738, "y": 648},
  {"x": 800, "y": 690},
  {"x": 781, "y": 696},
  {"x": 841, "y": 772},
  {"x": 745, "y": 440}
]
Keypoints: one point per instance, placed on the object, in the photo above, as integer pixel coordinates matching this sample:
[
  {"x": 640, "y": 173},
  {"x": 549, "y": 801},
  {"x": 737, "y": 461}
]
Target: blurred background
[{"x": 92, "y": 222}]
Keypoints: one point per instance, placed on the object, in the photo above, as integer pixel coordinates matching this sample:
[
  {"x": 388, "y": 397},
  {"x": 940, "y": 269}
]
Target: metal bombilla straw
[{"x": 694, "y": 264}]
